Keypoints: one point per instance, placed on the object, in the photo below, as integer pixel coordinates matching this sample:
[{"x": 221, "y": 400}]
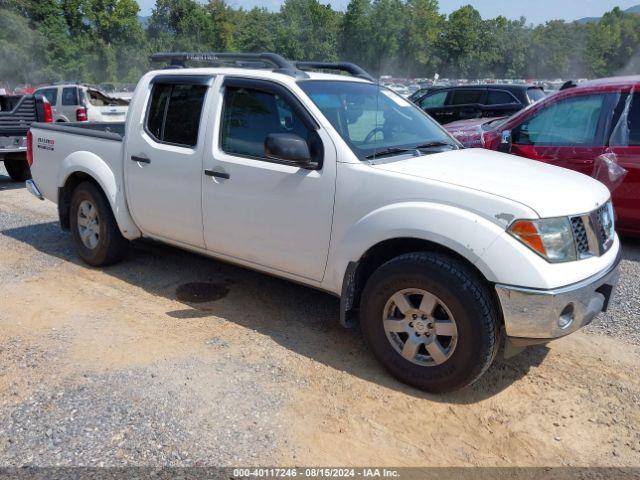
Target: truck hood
[{"x": 548, "y": 190}]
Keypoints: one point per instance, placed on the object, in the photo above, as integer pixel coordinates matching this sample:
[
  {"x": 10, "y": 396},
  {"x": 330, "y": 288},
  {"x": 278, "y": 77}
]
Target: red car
[{"x": 571, "y": 129}]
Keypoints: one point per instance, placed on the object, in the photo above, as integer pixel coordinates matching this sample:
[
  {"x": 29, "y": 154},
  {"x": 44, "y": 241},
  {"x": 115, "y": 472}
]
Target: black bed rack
[{"x": 273, "y": 61}]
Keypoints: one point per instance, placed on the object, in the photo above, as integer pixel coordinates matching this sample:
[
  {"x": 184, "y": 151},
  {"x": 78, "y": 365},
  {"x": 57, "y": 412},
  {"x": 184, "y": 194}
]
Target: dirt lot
[{"x": 127, "y": 366}]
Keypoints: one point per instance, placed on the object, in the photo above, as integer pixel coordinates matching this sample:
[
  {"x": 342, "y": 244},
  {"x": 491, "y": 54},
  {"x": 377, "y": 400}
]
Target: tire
[
  {"x": 462, "y": 330},
  {"x": 102, "y": 243},
  {"x": 17, "y": 168}
]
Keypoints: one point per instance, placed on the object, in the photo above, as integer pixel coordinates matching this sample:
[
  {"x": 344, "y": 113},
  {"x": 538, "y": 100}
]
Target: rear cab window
[{"x": 174, "y": 113}]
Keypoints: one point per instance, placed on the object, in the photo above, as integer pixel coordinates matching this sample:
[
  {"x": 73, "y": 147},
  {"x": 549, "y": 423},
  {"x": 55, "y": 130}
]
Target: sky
[{"x": 535, "y": 11}]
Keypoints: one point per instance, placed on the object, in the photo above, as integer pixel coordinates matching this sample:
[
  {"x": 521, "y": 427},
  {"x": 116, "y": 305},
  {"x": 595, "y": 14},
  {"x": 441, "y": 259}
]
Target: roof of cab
[
  {"x": 258, "y": 64},
  {"x": 623, "y": 81},
  {"x": 257, "y": 73}
]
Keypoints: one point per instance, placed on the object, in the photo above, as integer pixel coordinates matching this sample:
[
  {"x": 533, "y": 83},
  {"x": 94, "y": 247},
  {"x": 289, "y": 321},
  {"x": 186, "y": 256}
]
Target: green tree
[
  {"x": 354, "y": 41},
  {"x": 423, "y": 28},
  {"x": 308, "y": 31},
  {"x": 180, "y": 25},
  {"x": 460, "y": 42},
  {"x": 20, "y": 61},
  {"x": 387, "y": 34},
  {"x": 256, "y": 31}
]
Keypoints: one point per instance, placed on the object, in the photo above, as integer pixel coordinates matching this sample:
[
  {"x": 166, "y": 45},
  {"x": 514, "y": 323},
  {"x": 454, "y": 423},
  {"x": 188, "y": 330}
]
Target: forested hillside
[{"x": 104, "y": 41}]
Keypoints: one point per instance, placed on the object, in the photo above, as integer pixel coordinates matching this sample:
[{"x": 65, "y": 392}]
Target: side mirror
[
  {"x": 290, "y": 148},
  {"x": 506, "y": 141}
]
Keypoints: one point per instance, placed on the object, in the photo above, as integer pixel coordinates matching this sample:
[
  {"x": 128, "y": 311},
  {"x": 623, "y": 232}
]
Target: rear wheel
[
  {"x": 94, "y": 229},
  {"x": 430, "y": 321},
  {"x": 17, "y": 167}
]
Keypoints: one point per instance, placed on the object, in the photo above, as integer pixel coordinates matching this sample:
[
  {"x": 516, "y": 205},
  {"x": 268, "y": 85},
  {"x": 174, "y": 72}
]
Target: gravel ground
[
  {"x": 173, "y": 359},
  {"x": 622, "y": 320}
]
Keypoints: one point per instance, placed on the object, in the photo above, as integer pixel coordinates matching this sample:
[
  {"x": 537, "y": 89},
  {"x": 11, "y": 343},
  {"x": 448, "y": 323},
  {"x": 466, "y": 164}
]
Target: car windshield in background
[
  {"x": 374, "y": 121},
  {"x": 535, "y": 94}
]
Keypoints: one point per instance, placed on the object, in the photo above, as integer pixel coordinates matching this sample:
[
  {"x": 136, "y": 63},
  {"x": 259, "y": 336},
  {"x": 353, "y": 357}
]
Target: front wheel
[
  {"x": 17, "y": 167},
  {"x": 430, "y": 321},
  {"x": 94, "y": 229}
]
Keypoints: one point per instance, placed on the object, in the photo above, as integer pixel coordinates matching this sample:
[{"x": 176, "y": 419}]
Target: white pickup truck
[{"x": 330, "y": 180}]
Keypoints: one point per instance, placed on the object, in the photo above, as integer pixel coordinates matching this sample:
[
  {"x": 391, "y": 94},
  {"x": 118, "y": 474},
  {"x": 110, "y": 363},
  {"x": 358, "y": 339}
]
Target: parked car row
[
  {"x": 571, "y": 129},
  {"x": 449, "y": 104}
]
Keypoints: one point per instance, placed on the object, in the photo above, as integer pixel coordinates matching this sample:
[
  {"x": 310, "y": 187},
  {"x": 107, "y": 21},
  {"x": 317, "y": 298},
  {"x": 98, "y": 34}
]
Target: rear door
[
  {"x": 500, "y": 103},
  {"x": 569, "y": 133},
  {"x": 625, "y": 143},
  {"x": 463, "y": 104},
  {"x": 163, "y": 160}
]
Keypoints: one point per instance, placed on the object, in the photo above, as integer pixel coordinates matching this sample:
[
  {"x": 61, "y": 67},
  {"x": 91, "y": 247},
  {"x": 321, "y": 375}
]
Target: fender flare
[
  {"x": 96, "y": 168},
  {"x": 464, "y": 232}
]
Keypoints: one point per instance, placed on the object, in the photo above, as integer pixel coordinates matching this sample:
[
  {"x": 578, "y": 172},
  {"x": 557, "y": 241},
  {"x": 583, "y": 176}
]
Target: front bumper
[{"x": 533, "y": 315}]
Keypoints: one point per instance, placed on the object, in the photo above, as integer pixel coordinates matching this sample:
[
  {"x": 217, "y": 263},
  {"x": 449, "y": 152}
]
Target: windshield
[{"x": 373, "y": 120}]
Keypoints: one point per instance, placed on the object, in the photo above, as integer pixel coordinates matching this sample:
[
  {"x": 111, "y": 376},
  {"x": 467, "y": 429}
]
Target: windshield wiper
[
  {"x": 388, "y": 151},
  {"x": 436, "y": 143}
]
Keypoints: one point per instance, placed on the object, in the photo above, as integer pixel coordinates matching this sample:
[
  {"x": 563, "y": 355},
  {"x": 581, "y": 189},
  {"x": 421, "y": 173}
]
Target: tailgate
[{"x": 16, "y": 122}]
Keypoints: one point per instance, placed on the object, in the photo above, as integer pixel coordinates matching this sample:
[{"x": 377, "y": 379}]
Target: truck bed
[
  {"x": 55, "y": 148},
  {"x": 105, "y": 130}
]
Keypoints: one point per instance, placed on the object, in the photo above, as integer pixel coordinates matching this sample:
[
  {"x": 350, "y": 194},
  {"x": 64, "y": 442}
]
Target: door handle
[
  {"x": 213, "y": 173},
  {"x": 137, "y": 158}
]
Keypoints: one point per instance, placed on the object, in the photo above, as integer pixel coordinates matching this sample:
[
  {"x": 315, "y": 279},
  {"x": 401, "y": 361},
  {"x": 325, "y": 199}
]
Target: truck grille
[
  {"x": 594, "y": 232},
  {"x": 580, "y": 236}
]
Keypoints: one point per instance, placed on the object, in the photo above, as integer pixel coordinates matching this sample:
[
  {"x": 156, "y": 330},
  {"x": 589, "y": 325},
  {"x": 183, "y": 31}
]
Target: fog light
[{"x": 566, "y": 317}]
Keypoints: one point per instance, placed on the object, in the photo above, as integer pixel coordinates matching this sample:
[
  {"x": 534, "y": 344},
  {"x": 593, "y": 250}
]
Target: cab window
[
  {"x": 434, "y": 100},
  {"x": 627, "y": 129},
  {"x": 250, "y": 115},
  {"x": 500, "y": 97},
  {"x": 573, "y": 121},
  {"x": 174, "y": 113},
  {"x": 466, "y": 97},
  {"x": 70, "y": 96},
  {"x": 51, "y": 94}
]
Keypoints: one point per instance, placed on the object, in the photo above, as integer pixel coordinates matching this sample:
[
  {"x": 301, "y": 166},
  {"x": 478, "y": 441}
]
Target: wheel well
[
  {"x": 358, "y": 273},
  {"x": 65, "y": 193}
]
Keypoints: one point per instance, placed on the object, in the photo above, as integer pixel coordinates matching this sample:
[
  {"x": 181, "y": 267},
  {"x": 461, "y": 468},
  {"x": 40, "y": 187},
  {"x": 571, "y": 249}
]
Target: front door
[
  {"x": 163, "y": 161},
  {"x": 570, "y": 133},
  {"x": 257, "y": 210}
]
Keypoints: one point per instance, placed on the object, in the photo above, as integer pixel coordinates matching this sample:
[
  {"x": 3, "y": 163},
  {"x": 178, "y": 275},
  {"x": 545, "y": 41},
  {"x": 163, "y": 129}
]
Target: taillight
[
  {"x": 48, "y": 112},
  {"x": 81, "y": 114},
  {"x": 29, "y": 148}
]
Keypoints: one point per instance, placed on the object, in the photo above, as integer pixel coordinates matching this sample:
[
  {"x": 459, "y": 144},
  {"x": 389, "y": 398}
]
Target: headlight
[{"x": 552, "y": 238}]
